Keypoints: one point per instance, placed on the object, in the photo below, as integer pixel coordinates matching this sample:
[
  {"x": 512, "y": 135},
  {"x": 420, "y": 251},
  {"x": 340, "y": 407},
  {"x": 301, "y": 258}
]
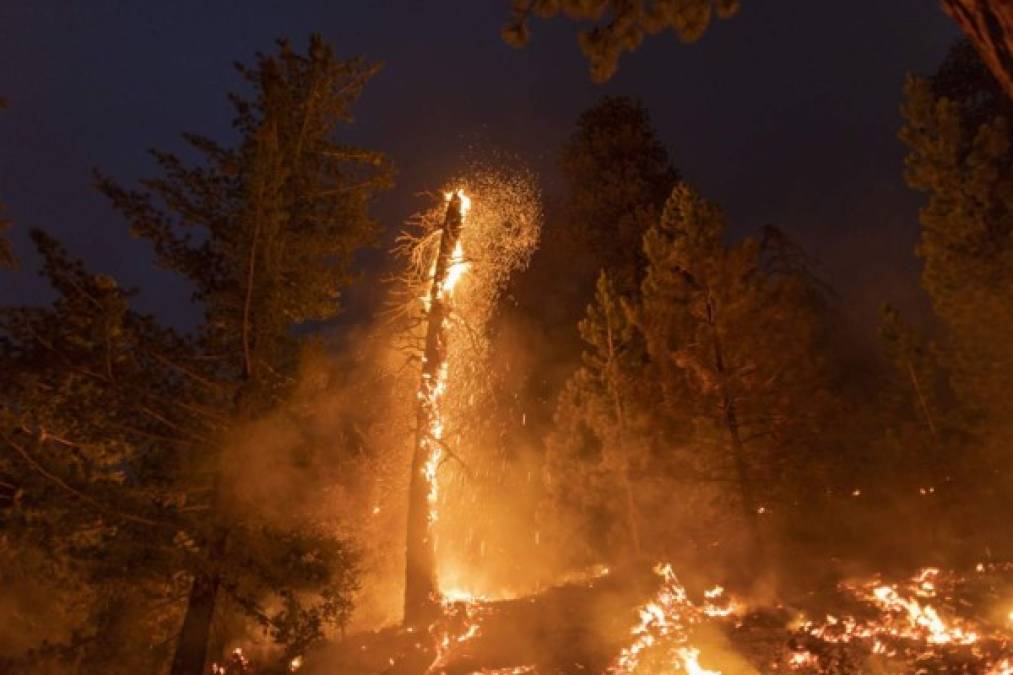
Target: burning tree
[
  {"x": 459, "y": 257},
  {"x": 421, "y": 589}
]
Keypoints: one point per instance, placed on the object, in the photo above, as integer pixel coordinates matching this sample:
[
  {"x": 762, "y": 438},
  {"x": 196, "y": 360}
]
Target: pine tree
[
  {"x": 618, "y": 176},
  {"x": 922, "y": 427},
  {"x": 599, "y": 444},
  {"x": 733, "y": 334},
  {"x": 93, "y": 427},
  {"x": 265, "y": 231},
  {"x": 957, "y": 128},
  {"x": 915, "y": 361},
  {"x": 959, "y": 140}
]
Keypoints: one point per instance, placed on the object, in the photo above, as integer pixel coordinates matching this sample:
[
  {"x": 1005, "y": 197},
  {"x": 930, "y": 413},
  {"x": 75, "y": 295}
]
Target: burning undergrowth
[{"x": 934, "y": 621}]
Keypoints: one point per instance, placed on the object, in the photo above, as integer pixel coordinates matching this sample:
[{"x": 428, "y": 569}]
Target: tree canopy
[
  {"x": 626, "y": 25},
  {"x": 121, "y": 428}
]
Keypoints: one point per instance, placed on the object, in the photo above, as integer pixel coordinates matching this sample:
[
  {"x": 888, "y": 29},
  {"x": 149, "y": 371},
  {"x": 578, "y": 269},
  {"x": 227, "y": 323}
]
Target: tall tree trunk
[
  {"x": 631, "y": 512},
  {"x": 191, "y": 653},
  {"x": 937, "y": 514},
  {"x": 989, "y": 25},
  {"x": 631, "y": 505},
  {"x": 747, "y": 496},
  {"x": 923, "y": 404},
  {"x": 750, "y": 510},
  {"x": 421, "y": 590}
]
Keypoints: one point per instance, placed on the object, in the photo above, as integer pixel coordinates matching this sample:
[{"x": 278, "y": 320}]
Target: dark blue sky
[{"x": 786, "y": 114}]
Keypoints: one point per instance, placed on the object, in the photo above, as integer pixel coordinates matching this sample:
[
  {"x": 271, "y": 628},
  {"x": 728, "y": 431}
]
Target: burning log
[{"x": 421, "y": 587}]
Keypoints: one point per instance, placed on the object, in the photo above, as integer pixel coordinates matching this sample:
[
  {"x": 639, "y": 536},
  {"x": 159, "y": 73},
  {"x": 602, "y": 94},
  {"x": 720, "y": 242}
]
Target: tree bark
[
  {"x": 631, "y": 504},
  {"x": 750, "y": 510},
  {"x": 421, "y": 588},
  {"x": 190, "y": 657},
  {"x": 989, "y": 25}
]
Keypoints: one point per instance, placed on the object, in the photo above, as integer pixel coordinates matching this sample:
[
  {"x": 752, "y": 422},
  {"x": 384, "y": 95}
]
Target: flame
[
  {"x": 461, "y": 622},
  {"x": 901, "y": 616},
  {"x": 803, "y": 659},
  {"x": 907, "y": 625},
  {"x": 688, "y": 657},
  {"x": 452, "y": 595},
  {"x": 237, "y": 662},
  {"x": 458, "y": 266},
  {"x": 922, "y": 618},
  {"x": 713, "y": 608},
  {"x": 901, "y": 621},
  {"x": 665, "y": 623},
  {"x": 456, "y": 270},
  {"x": 1004, "y": 667}
]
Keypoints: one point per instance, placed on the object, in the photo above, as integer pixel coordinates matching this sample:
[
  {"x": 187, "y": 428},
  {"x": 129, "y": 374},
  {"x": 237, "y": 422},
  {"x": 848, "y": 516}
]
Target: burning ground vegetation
[{"x": 935, "y": 621}]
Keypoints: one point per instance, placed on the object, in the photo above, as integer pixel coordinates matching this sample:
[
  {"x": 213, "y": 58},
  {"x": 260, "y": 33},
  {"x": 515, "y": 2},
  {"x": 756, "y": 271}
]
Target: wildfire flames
[
  {"x": 444, "y": 291},
  {"x": 913, "y": 622},
  {"x": 661, "y": 637},
  {"x": 922, "y": 624},
  {"x": 907, "y": 627}
]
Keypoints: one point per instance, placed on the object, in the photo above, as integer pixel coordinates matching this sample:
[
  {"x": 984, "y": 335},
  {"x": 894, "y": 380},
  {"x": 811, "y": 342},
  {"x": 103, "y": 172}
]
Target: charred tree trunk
[
  {"x": 192, "y": 647},
  {"x": 989, "y": 25},
  {"x": 421, "y": 591}
]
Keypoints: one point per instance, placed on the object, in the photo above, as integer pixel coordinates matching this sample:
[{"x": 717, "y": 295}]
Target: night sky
[{"x": 786, "y": 114}]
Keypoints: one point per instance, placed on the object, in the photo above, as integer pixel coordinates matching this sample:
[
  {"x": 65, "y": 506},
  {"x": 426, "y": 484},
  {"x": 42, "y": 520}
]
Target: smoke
[{"x": 334, "y": 458}]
